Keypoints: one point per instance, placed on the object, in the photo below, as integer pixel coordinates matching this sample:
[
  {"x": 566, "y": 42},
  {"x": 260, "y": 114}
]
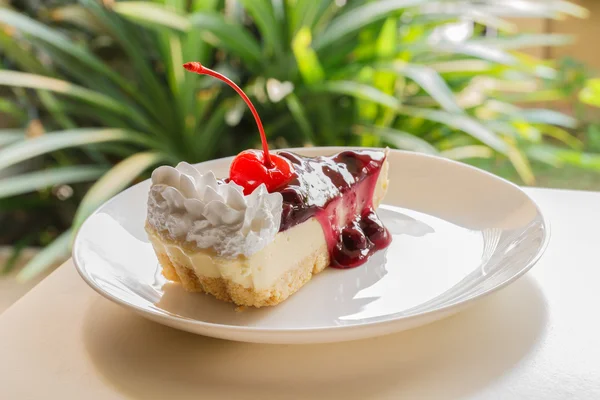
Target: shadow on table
[{"x": 449, "y": 359}]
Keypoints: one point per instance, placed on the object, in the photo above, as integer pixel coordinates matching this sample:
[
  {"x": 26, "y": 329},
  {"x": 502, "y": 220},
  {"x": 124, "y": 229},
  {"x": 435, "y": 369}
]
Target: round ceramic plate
[{"x": 458, "y": 234}]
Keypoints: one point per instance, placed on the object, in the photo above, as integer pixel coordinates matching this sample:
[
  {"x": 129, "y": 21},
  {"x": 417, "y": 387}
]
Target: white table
[{"x": 537, "y": 339}]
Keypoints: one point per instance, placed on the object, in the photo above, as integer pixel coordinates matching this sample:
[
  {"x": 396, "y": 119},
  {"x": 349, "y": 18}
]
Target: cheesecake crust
[{"x": 227, "y": 290}]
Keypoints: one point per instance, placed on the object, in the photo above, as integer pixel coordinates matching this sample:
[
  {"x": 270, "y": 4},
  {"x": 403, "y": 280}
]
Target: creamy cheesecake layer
[
  {"x": 260, "y": 270},
  {"x": 226, "y": 290}
]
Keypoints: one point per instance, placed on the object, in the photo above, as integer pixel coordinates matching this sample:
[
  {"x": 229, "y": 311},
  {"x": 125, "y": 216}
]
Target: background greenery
[{"x": 99, "y": 97}]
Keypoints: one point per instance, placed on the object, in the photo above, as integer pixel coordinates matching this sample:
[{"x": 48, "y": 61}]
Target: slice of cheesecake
[{"x": 258, "y": 249}]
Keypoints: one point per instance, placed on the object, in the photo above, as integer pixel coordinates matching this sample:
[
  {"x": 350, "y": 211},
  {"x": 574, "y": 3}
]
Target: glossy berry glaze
[{"x": 338, "y": 191}]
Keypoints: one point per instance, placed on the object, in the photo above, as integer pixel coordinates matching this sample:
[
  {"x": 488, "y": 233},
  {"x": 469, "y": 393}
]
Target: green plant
[
  {"x": 116, "y": 100},
  {"x": 590, "y": 94}
]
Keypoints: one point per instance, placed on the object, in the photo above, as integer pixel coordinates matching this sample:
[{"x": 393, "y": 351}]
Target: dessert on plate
[{"x": 256, "y": 237}]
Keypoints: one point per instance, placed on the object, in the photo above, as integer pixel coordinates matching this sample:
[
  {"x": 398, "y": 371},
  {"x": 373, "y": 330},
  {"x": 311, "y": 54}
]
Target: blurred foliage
[
  {"x": 98, "y": 89},
  {"x": 590, "y": 94}
]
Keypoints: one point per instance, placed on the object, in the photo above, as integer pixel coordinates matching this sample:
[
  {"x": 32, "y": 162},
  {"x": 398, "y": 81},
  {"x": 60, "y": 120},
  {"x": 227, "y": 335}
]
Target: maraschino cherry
[{"x": 251, "y": 168}]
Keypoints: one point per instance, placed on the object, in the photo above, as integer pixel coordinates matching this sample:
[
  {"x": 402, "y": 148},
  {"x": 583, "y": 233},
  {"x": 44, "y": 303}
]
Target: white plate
[{"x": 459, "y": 234}]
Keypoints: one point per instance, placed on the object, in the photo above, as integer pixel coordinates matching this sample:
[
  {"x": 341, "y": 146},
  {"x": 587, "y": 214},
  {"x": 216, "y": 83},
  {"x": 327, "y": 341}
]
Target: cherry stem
[{"x": 200, "y": 69}]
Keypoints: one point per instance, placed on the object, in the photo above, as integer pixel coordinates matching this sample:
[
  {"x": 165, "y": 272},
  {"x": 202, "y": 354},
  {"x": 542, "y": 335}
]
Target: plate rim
[{"x": 375, "y": 325}]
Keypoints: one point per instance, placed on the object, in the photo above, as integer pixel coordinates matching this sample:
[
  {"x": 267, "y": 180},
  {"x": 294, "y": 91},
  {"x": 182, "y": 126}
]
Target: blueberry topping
[
  {"x": 373, "y": 228},
  {"x": 293, "y": 196},
  {"x": 353, "y": 239},
  {"x": 330, "y": 189}
]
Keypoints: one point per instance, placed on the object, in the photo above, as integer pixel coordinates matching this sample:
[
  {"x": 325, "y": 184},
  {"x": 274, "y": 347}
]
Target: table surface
[{"x": 537, "y": 339}]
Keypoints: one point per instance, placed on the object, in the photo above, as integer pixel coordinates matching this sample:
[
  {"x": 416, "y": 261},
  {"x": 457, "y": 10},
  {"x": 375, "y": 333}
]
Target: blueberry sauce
[{"x": 338, "y": 192}]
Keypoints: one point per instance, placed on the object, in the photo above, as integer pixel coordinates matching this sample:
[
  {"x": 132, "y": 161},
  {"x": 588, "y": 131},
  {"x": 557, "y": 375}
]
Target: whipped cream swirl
[{"x": 187, "y": 205}]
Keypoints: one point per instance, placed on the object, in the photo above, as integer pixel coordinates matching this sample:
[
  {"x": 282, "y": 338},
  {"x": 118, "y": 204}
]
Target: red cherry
[{"x": 249, "y": 170}]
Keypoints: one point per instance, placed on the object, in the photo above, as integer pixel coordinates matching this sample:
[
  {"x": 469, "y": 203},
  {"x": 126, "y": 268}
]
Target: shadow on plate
[{"x": 448, "y": 359}]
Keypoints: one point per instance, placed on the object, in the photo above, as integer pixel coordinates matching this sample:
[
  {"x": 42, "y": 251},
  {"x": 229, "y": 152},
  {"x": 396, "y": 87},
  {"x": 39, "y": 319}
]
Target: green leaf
[
  {"x": 591, "y": 93},
  {"x": 457, "y": 121},
  {"x": 551, "y": 117},
  {"x": 54, "y": 108},
  {"x": 232, "y": 37},
  {"x": 264, "y": 16},
  {"x": 8, "y": 136},
  {"x": 78, "y": 16},
  {"x": 570, "y": 8},
  {"x": 532, "y": 97},
  {"x": 115, "y": 180},
  {"x": 12, "y": 109},
  {"x": 438, "y": 13},
  {"x": 532, "y": 115},
  {"x": 299, "y": 114},
  {"x": 359, "y": 17},
  {"x": 306, "y": 13},
  {"x": 55, "y": 252},
  {"x": 150, "y": 93},
  {"x": 428, "y": 79},
  {"x": 552, "y": 9},
  {"x": 558, "y": 156},
  {"x": 359, "y": 91},
  {"x": 516, "y": 9},
  {"x": 173, "y": 60},
  {"x": 521, "y": 164},
  {"x": 49, "y": 142},
  {"x": 32, "y": 81},
  {"x": 308, "y": 62},
  {"x": 195, "y": 48},
  {"x": 461, "y": 122},
  {"x": 528, "y": 40},
  {"x": 280, "y": 13},
  {"x": 561, "y": 135},
  {"x": 387, "y": 81},
  {"x": 158, "y": 16},
  {"x": 198, "y": 5},
  {"x": 80, "y": 73},
  {"x": 397, "y": 138},
  {"x": 476, "y": 50},
  {"x": 180, "y": 6},
  {"x": 211, "y": 131},
  {"x": 325, "y": 13},
  {"x": 23, "y": 57},
  {"x": 54, "y": 38},
  {"x": 468, "y": 152},
  {"x": 387, "y": 41},
  {"x": 461, "y": 66},
  {"x": 17, "y": 249},
  {"x": 490, "y": 20},
  {"x": 152, "y": 15},
  {"x": 32, "y": 181}
]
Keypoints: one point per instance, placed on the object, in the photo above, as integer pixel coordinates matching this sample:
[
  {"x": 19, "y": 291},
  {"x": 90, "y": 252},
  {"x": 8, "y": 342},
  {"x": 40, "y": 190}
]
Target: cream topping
[{"x": 190, "y": 206}]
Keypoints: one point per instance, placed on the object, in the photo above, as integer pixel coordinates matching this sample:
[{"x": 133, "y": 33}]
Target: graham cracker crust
[{"x": 226, "y": 290}]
